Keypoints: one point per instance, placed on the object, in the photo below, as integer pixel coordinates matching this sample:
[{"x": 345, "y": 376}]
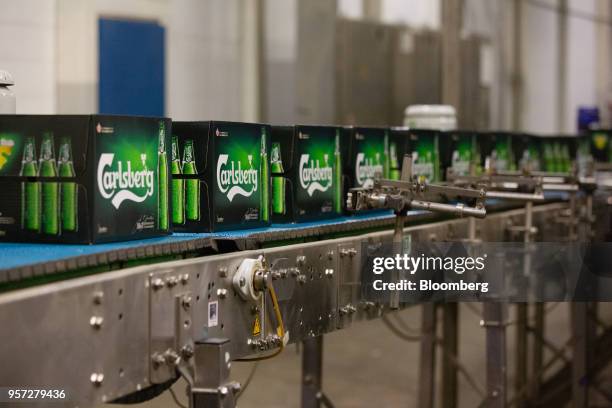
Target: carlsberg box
[
  {"x": 306, "y": 170},
  {"x": 460, "y": 153},
  {"x": 220, "y": 176},
  {"x": 497, "y": 153},
  {"x": 83, "y": 179},
  {"x": 368, "y": 155},
  {"x": 528, "y": 152}
]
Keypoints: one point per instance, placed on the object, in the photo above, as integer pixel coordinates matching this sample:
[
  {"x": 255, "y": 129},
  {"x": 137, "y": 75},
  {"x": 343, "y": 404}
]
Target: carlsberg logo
[
  {"x": 366, "y": 170},
  {"x": 118, "y": 184},
  {"x": 313, "y": 177},
  {"x": 232, "y": 180}
]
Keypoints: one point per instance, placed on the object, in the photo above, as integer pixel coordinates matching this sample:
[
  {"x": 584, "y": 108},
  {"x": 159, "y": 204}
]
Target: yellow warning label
[
  {"x": 256, "y": 326},
  {"x": 600, "y": 140}
]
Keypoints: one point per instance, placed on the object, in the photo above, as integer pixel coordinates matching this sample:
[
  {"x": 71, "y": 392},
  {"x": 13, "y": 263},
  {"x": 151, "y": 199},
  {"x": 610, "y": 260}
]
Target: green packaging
[
  {"x": 528, "y": 152},
  {"x": 425, "y": 152},
  {"x": 83, "y": 178},
  {"x": 224, "y": 167},
  {"x": 367, "y": 153},
  {"x": 460, "y": 152},
  {"x": 558, "y": 152},
  {"x": 306, "y": 167},
  {"x": 497, "y": 153},
  {"x": 601, "y": 145}
]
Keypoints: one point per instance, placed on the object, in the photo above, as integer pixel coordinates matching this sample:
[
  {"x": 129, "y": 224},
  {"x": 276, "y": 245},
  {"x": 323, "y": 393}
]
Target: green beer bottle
[
  {"x": 337, "y": 175},
  {"x": 278, "y": 181},
  {"x": 30, "y": 190},
  {"x": 178, "y": 186},
  {"x": 549, "y": 164},
  {"x": 192, "y": 186},
  {"x": 69, "y": 202},
  {"x": 162, "y": 179},
  {"x": 264, "y": 197},
  {"x": 567, "y": 160},
  {"x": 386, "y": 161},
  {"x": 49, "y": 189},
  {"x": 394, "y": 171}
]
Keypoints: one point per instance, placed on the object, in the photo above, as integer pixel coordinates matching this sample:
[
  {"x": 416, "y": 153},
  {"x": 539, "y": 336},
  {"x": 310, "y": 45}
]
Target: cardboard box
[
  {"x": 221, "y": 176},
  {"x": 82, "y": 178},
  {"x": 496, "y": 151},
  {"x": 306, "y": 169},
  {"x": 425, "y": 151}
]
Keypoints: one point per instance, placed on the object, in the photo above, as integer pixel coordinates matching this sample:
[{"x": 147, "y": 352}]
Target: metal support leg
[
  {"x": 580, "y": 363},
  {"x": 398, "y": 244},
  {"x": 211, "y": 386},
  {"x": 522, "y": 310},
  {"x": 538, "y": 348},
  {"x": 427, "y": 361},
  {"x": 312, "y": 371},
  {"x": 521, "y": 352},
  {"x": 494, "y": 321},
  {"x": 450, "y": 329}
]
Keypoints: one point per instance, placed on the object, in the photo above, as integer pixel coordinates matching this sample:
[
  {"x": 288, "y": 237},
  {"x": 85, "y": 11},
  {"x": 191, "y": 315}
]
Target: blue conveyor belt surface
[{"x": 14, "y": 255}]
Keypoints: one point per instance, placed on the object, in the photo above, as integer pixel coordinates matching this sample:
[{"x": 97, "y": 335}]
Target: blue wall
[{"x": 131, "y": 67}]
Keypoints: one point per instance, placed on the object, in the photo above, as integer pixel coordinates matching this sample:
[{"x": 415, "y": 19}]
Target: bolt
[
  {"x": 295, "y": 272},
  {"x": 330, "y": 255},
  {"x": 368, "y": 305},
  {"x": 97, "y": 297},
  {"x": 96, "y": 379},
  {"x": 254, "y": 309},
  {"x": 186, "y": 302},
  {"x": 236, "y": 387},
  {"x": 187, "y": 352},
  {"x": 300, "y": 260},
  {"x": 96, "y": 321},
  {"x": 242, "y": 281},
  {"x": 171, "y": 357},
  {"x": 223, "y": 391},
  {"x": 329, "y": 273},
  {"x": 222, "y": 293},
  {"x": 157, "y": 284},
  {"x": 223, "y": 271},
  {"x": 184, "y": 279},
  {"x": 351, "y": 252},
  {"x": 171, "y": 281},
  {"x": 301, "y": 279},
  {"x": 158, "y": 360}
]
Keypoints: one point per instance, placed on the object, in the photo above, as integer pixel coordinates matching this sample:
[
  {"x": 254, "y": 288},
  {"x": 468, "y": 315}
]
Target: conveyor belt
[
  {"x": 39, "y": 263},
  {"x": 24, "y": 261}
]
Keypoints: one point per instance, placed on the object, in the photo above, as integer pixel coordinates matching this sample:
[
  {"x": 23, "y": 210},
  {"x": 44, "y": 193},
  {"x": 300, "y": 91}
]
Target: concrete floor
[{"x": 368, "y": 366}]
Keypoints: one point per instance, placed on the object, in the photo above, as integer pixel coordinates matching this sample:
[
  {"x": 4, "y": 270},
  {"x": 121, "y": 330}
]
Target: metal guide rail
[{"x": 106, "y": 336}]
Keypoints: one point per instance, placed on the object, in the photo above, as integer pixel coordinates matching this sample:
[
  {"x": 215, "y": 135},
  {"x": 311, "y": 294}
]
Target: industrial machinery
[{"x": 121, "y": 322}]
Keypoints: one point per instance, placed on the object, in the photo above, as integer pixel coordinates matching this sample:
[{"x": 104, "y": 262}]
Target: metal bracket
[
  {"x": 211, "y": 386},
  {"x": 170, "y": 324},
  {"x": 349, "y": 285}
]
